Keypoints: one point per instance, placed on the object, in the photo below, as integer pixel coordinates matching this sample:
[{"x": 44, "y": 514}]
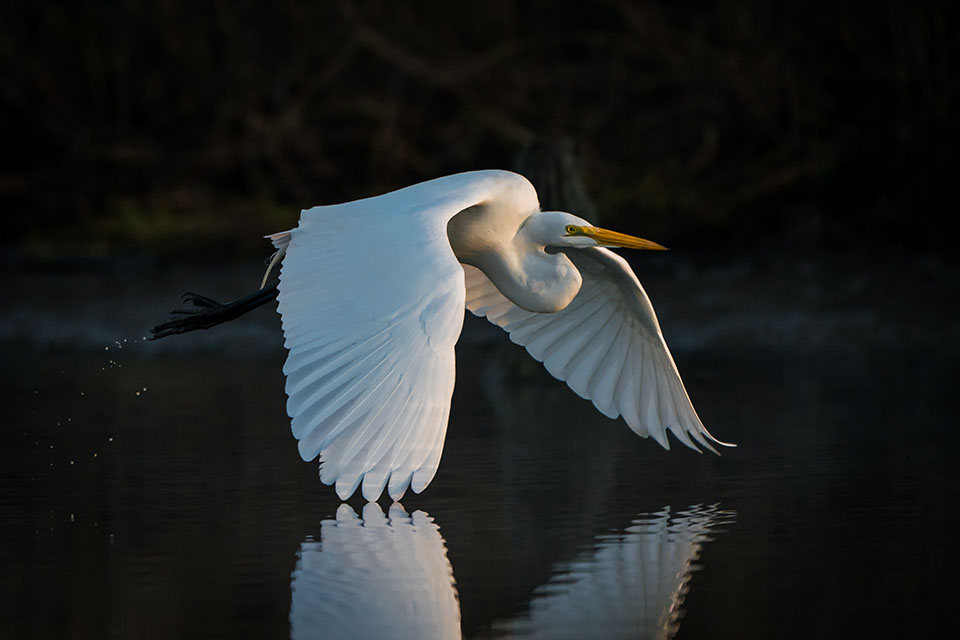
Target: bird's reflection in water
[
  {"x": 389, "y": 577},
  {"x": 630, "y": 585},
  {"x": 375, "y": 577}
]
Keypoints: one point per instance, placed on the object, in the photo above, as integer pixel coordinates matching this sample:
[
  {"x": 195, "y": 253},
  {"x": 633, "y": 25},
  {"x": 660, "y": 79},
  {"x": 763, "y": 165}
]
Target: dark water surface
[{"x": 155, "y": 491}]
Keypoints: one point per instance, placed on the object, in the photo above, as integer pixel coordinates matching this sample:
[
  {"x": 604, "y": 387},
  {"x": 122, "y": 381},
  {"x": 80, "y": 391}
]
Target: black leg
[{"x": 209, "y": 313}]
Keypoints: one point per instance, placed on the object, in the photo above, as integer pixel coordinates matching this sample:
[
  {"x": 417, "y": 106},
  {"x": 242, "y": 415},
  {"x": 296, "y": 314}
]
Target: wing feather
[
  {"x": 604, "y": 384},
  {"x": 587, "y": 358},
  {"x": 606, "y": 345}
]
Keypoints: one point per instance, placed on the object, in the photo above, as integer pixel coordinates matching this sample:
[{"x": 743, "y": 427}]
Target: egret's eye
[{"x": 571, "y": 229}]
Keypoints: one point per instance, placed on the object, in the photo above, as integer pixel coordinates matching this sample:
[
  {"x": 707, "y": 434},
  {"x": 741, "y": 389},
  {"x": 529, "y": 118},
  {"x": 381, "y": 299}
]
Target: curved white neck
[
  {"x": 515, "y": 262},
  {"x": 539, "y": 282}
]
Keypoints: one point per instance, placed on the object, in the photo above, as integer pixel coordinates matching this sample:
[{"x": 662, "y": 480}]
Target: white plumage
[{"x": 372, "y": 295}]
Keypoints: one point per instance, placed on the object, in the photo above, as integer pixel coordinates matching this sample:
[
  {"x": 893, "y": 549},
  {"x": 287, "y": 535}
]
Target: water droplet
[{"x": 110, "y": 439}]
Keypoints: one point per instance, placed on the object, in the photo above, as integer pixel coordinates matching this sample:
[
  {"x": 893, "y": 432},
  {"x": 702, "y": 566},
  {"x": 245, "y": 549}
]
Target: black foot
[{"x": 207, "y": 312}]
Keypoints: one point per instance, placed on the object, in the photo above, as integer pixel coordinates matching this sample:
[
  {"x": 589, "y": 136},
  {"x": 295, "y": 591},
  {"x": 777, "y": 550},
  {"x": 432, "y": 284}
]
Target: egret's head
[{"x": 561, "y": 229}]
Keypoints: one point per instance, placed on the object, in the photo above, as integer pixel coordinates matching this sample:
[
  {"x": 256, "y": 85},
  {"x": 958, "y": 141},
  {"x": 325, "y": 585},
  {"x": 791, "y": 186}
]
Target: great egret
[{"x": 372, "y": 296}]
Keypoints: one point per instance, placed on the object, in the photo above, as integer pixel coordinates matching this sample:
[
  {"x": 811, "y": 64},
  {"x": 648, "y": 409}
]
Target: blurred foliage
[{"x": 147, "y": 126}]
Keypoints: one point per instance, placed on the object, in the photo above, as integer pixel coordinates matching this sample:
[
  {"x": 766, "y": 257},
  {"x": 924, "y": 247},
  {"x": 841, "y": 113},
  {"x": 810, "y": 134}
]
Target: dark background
[
  {"x": 168, "y": 128},
  {"x": 797, "y": 157}
]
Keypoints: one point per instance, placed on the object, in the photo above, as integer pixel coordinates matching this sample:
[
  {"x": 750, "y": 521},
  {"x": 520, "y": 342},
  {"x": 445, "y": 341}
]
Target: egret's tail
[{"x": 280, "y": 241}]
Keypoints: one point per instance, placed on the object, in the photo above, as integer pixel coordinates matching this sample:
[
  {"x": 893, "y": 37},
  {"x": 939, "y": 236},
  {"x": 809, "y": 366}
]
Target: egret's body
[{"x": 372, "y": 295}]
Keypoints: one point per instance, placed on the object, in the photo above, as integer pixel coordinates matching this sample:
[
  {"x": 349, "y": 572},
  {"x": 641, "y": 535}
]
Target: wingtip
[
  {"x": 398, "y": 485},
  {"x": 722, "y": 444},
  {"x": 307, "y": 453},
  {"x": 712, "y": 440},
  {"x": 346, "y": 488},
  {"x": 661, "y": 438}
]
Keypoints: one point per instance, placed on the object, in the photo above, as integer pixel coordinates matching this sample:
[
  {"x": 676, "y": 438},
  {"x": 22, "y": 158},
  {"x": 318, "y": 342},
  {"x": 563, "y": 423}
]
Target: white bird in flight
[{"x": 372, "y": 296}]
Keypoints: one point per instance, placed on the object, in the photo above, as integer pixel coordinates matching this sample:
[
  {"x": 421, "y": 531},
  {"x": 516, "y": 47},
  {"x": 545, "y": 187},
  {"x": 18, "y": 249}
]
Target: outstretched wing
[
  {"x": 372, "y": 299},
  {"x": 372, "y": 306},
  {"x": 606, "y": 345}
]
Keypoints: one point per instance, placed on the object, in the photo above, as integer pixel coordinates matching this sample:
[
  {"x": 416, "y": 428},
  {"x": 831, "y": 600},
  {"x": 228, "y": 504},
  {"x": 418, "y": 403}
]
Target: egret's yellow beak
[{"x": 609, "y": 238}]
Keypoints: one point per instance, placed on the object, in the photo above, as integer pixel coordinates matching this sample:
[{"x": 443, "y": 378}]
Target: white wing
[
  {"x": 606, "y": 345},
  {"x": 372, "y": 300}
]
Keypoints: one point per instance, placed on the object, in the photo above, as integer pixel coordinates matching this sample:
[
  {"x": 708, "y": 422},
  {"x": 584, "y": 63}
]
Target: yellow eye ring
[{"x": 571, "y": 229}]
